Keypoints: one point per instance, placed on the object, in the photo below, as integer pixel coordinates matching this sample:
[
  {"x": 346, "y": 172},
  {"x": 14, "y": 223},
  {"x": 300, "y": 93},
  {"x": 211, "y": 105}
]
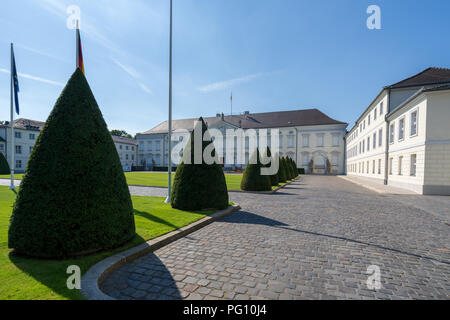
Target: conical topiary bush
[
  {"x": 293, "y": 168},
  {"x": 199, "y": 186},
  {"x": 286, "y": 169},
  {"x": 252, "y": 180},
  {"x": 282, "y": 175},
  {"x": 4, "y": 166},
  {"x": 273, "y": 178},
  {"x": 73, "y": 198}
]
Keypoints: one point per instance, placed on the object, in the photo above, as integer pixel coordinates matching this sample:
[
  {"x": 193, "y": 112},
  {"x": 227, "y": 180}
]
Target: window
[
  {"x": 374, "y": 140},
  {"x": 126, "y": 157},
  {"x": 400, "y": 165},
  {"x": 320, "y": 140},
  {"x": 391, "y": 162},
  {"x": 379, "y": 166},
  {"x": 391, "y": 133},
  {"x": 335, "y": 140},
  {"x": 132, "y": 157},
  {"x": 18, "y": 164},
  {"x": 17, "y": 135},
  {"x": 32, "y": 136},
  {"x": 381, "y": 108},
  {"x": 373, "y": 167},
  {"x": 291, "y": 140},
  {"x": 375, "y": 114},
  {"x": 158, "y": 145},
  {"x": 281, "y": 141},
  {"x": 367, "y": 167},
  {"x": 18, "y": 149},
  {"x": 132, "y": 148},
  {"x": 364, "y": 146},
  {"x": 401, "y": 129},
  {"x": 126, "y": 147},
  {"x": 306, "y": 141},
  {"x": 31, "y": 149},
  {"x": 380, "y": 137},
  {"x": 413, "y": 165},
  {"x": 120, "y": 147},
  {"x": 360, "y": 147},
  {"x": 413, "y": 123},
  {"x": 364, "y": 124},
  {"x": 368, "y": 143},
  {"x": 368, "y": 120}
]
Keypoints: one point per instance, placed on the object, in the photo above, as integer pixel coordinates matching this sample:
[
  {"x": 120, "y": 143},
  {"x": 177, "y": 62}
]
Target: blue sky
[{"x": 273, "y": 55}]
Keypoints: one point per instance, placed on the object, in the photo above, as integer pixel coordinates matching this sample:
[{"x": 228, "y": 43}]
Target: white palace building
[
  {"x": 304, "y": 135},
  {"x": 403, "y": 138}
]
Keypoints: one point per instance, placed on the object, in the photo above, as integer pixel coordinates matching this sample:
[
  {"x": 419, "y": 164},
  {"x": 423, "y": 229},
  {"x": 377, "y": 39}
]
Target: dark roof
[
  {"x": 124, "y": 140},
  {"x": 256, "y": 120},
  {"x": 26, "y": 124},
  {"x": 426, "y": 77}
]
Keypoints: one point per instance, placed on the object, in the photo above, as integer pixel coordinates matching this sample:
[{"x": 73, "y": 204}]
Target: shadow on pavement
[{"x": 150, "y": 281}]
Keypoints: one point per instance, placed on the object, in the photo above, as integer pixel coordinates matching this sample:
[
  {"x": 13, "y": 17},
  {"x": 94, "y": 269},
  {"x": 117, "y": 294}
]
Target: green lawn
[
  {"x": 23, "y": 278},
  {"x": 159, "y": 179}
]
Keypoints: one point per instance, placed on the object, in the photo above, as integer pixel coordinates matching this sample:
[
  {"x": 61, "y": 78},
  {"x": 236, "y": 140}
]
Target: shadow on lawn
[
  {"x": 53, "y": 273},
  {"x": 147, "y": 278}
]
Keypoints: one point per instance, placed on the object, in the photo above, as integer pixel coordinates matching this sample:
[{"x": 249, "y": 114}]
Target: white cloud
[
  {"x": 31, "y": 77},
  {"x": 229, "y": 83}
]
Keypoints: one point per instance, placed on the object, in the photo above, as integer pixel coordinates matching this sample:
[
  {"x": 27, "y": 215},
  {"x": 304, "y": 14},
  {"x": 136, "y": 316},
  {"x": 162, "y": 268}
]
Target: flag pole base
[
  {"x": 12, "y": 187},
  {"x": 167, "y": 200}
]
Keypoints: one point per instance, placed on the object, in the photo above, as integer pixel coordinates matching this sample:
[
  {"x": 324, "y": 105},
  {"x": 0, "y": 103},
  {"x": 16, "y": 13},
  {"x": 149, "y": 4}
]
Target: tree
[
  {"x": 274, "y": 179},
  {"x": 199, "y": 186},
  {"x": 121, "y": 133},
  {"x": 253, "y": 180},
  {"x": 311, "y": 166},
  {"x": 73, "y": 198},
  {"x": 4, "y": 166}
]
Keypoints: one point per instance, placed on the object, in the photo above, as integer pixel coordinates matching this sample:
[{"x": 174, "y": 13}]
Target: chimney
[{"x": 223, "y": 116}]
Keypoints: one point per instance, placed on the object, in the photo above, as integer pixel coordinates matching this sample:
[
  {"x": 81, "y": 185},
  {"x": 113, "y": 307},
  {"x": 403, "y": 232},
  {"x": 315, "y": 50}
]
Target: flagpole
[
  {"x": 12, "y": 186},
  {"x": 169, "y": 190}
]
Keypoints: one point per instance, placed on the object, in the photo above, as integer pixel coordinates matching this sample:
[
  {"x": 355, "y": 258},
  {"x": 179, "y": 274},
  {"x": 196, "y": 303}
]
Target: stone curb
[{"x": 93, "y": 277}]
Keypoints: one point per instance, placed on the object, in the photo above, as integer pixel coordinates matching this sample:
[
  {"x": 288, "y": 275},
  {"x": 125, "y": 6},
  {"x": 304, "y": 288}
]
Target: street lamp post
[{"x": 169, "y": 190}]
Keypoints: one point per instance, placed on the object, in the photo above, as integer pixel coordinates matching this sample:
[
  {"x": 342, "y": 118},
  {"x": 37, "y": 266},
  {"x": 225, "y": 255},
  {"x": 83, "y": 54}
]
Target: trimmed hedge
[
  {"x": 199, "y": 186},
  {"x": 73, "y": 198},
  {"x": 252, "y": 180},
  {"x": 4, "y": 166}
]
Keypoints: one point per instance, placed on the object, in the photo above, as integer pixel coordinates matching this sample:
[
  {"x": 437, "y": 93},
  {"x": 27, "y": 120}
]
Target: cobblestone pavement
[{"x": 312, "y": 240}]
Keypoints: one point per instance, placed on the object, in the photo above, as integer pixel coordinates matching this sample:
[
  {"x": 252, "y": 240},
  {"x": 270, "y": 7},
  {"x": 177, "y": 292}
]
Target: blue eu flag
[{"x": 15, "y": 82}]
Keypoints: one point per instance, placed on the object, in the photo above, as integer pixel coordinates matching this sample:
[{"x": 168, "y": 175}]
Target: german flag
[{"x": 80, "y": 63}]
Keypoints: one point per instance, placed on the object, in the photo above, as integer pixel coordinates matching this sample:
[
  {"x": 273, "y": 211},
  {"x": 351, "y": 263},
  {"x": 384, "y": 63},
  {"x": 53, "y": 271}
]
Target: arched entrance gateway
[{"x": 320, "y": 162}]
